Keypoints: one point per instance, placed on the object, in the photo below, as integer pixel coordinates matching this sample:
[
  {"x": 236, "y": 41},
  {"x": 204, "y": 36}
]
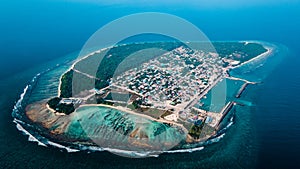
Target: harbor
[{"x": 218, "y": 117}]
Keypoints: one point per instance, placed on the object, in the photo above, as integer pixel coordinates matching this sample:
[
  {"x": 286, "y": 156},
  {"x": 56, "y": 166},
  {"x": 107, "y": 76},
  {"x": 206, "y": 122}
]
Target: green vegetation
[
  {"x": 206, "y": 130},
  {"x": 124, "y": 97},
  {"x": 60, "y": 107},
  {"x": 54, "y": 102},
  {"x": 166, "y": 113},
  {"x": 116, "y": 55},
  {"x": 201, "y": 131},
  {"x": 66, "y": 84},
  {"x": 195, "y": 131},
  {"x": 65, "y": 108},
  {"x": 136, "y": 103},
  {"x": 100, "y": 100},
  {"x": 131, "y": 106},
  {"x": 152, "y": 112},
  {"x": 110, "y": 62},
  {"x": 238, "y": 50}
]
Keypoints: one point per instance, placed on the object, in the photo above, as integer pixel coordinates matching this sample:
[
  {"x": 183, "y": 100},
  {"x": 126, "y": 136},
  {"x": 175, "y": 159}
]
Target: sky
[{"x": 194, "y": 3}]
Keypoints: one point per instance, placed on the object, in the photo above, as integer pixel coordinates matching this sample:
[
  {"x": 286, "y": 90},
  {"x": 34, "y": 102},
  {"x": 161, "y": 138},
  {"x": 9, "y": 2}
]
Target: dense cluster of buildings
[{"x": 177, "y": 76}]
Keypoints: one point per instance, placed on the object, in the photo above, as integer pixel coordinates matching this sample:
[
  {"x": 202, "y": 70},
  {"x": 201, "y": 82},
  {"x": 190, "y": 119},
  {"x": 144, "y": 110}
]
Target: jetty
[
  {"x": 224, "y": 112},
  {"x": 244, "y": 80},
  {"x": 243, "y": 87}
]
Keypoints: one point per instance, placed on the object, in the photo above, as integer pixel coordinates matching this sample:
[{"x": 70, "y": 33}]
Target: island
[{"x": 131, "y": 98}]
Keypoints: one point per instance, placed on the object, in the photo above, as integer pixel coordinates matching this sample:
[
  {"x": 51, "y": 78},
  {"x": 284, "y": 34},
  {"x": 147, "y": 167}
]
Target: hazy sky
[{"x": 193, "y": 3}]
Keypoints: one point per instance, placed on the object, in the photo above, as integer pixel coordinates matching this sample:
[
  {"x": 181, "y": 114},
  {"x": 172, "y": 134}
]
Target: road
[{"x": 197, "y": 98}]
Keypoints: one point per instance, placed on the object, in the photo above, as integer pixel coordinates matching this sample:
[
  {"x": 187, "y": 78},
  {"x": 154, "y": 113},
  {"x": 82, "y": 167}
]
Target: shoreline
[
  {"x": 219, "y": 79},
  {"x": 267, "y": 53},
  {"x": 76, "y": 61}
]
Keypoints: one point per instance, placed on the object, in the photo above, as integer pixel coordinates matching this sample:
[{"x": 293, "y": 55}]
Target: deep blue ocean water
[{"x": 37, "y": 35}]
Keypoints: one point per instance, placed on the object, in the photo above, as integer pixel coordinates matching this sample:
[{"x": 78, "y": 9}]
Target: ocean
[{"x": 263, "y": 135}]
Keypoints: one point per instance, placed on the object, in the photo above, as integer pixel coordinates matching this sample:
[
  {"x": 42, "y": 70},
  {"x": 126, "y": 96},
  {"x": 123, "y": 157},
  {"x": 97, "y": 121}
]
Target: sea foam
[{"x": 31, "y": 138}]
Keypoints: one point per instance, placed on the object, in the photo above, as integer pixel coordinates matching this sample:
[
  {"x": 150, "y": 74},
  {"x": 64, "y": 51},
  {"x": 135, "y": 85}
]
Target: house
[{"x": 66, "y": 101}]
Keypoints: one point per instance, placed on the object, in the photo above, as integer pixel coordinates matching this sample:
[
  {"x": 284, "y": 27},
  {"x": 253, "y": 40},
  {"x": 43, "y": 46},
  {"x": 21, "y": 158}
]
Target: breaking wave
[
  {"x": 30, "y": 136},
  {"x": 216, "y": 139},
  {"x": 185, "y": 150},
  {"x": 34, "y": 136}
]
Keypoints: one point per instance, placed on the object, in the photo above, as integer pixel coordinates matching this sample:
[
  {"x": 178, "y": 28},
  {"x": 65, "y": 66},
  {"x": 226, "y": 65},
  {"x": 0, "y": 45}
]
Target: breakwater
[
  {"x": 224, "y": 112},
  {"x": 239, "y": 93}
]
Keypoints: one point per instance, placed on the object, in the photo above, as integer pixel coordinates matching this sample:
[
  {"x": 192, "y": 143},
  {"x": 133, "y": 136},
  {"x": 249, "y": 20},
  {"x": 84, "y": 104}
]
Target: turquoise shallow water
[
  {"x": 240, "y": 146},
  {"x": 221, "y": 151},
  {"x": 239, "y": 134},
  {"x": 111, "y": 128},
  {"x": 265, "y": 135},
  {"x": 260, "y": 69},
  {"x": 224, "y": 92}
]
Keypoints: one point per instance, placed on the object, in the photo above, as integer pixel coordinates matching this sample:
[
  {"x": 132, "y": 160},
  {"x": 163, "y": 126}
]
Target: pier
[{"x": 244, "y": 80}]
